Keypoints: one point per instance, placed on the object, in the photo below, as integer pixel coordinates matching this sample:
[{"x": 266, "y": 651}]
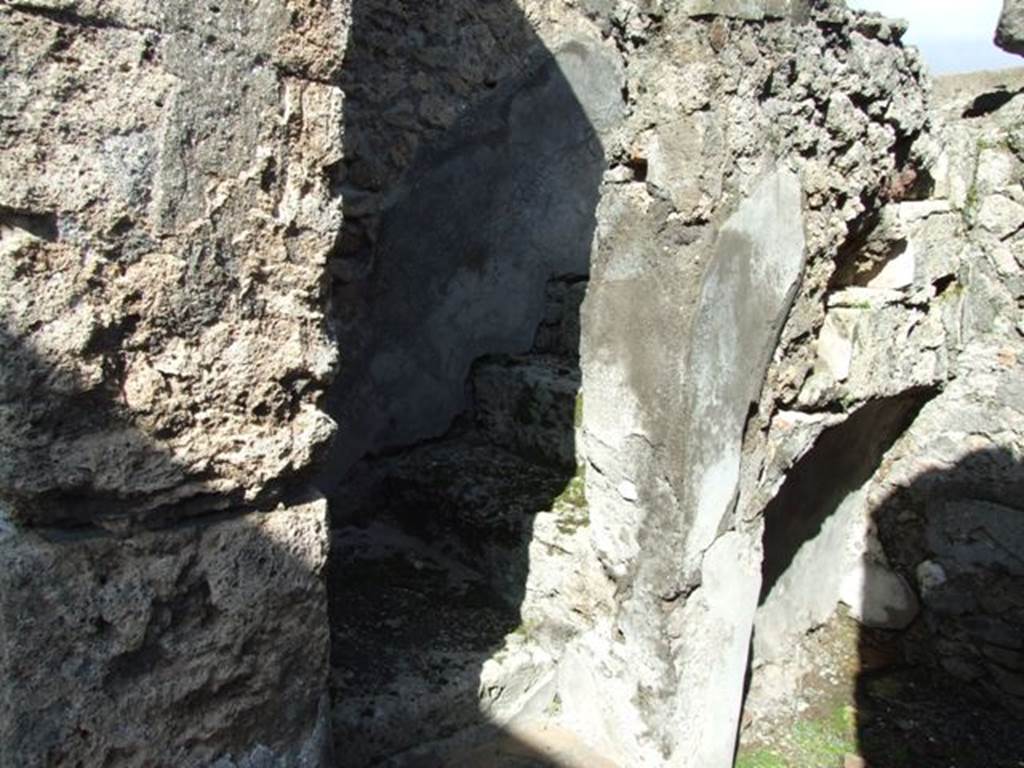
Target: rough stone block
[
  {"x": 1010, "y": 32},
  {"x": 156, "y": 203},
  {"x": 201, "y": 645},
  {"x": 527, "y": 405},
  {"x": 750, "y": 10},
  {"x": 854, "y": 348},
  {"x": 932, "y": 240}
]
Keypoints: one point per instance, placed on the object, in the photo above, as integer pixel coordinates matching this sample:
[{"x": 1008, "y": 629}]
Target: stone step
[
  {"x": 464, "y": 486},
  {"x": 528, "y": 405},
  {"x": 469, "y": 498},
  {"x": 422, "y": 647}
]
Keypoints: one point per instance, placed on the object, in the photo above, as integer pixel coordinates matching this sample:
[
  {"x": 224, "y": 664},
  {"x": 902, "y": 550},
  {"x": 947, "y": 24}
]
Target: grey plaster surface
[
  {"x": 744, "y": 301},
  {"x": 468, "y": 241}
]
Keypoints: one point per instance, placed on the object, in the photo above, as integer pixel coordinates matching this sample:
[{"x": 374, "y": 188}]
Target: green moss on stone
[
  {"x": 761, "y": 758},
  {"x": 571, "y": 503},
  {"x": 810, "y": 743}
]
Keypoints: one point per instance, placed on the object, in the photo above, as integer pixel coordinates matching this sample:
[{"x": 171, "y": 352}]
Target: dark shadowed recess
[
  {"x": 949, "y": 690},
  {"x": 841, "y": 461},
  {"x": 990, "y": 102},
  {"x": 470, "y": 185}
]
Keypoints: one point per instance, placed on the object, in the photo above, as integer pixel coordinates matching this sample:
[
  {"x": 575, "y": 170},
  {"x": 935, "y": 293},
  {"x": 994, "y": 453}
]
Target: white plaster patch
[
  {"x": 807, "y": 593},
  {"x": 714, "y": 652},
  {"x": 744, "y": 300},
  {"x": 716, "y": 491},
  {"x": 628, "y": 491},
  {"x": 898, "y": 272},
  {"x": 877, "y": 597}
]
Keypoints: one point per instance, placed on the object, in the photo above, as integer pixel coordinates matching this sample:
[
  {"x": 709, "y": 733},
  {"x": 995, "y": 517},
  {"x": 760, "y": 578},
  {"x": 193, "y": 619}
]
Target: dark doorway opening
[{"x": 470, "y": 184}]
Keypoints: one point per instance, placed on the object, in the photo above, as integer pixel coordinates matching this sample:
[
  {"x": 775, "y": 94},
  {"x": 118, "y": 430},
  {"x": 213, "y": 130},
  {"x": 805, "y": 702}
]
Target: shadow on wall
[
  {"x": 810, "y": 528},
  {"x": 470, "y": 185},
  {"x": 949, "y": 689},
  {"x": 471, "y": 178},
  {"x": 933, "y": 669},
  {"x": 73, "y": 454},
  {"x": 160, "y": 638},
  {"x": 842, "y": 460}
]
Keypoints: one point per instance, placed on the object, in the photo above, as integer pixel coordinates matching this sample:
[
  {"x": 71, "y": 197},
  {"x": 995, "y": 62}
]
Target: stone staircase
[{"x": 461, "y": 570}]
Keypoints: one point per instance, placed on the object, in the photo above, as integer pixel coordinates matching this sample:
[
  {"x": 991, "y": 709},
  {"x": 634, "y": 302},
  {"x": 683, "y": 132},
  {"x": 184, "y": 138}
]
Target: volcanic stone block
[
  {"x": 749, "y": 10},
  {"x": 1010, "y": 32},
  {"x": 168, "y": 176},
  {"x": 527, "y": 405},
  {"x": 201, "y": 645}
]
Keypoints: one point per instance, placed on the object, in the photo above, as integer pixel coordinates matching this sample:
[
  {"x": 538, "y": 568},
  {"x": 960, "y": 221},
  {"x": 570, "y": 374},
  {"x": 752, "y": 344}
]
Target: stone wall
[
  {"x": 946, "y": 500},
  {"x": 760, "y": 135},
  {"x": 201, "y": 645},
  {"x": 721, "y": 168},
  {"x": 165, "y": 221},
  {"x": 919, "y": 357},
  {"x": 165, "y": 235},
  {"x": 203, "y": 206},
  {"x": 472, "y": 173}
]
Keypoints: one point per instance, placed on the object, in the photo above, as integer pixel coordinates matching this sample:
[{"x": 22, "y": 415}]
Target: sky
[{"x": 953, "y": 35}]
